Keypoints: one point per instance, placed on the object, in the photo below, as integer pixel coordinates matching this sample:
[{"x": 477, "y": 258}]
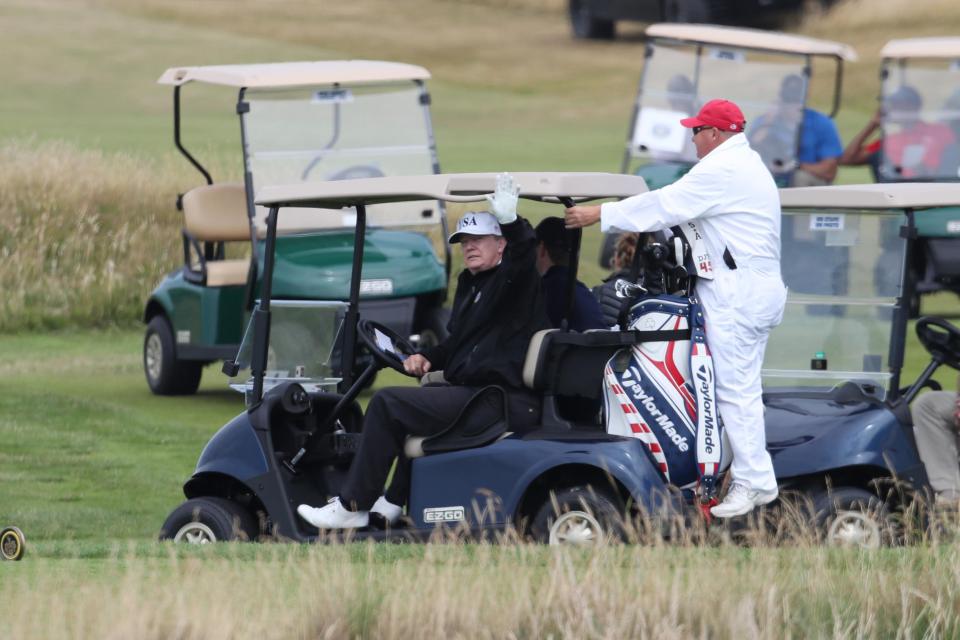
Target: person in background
[
  {"x": 775, "y": 136},
  {"x": 917, "y": 149},
  {"x": 553, "y": 263}
]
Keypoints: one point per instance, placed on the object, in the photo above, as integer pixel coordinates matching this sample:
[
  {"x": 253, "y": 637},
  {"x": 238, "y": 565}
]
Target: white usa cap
[{"x": 476, "y": 223}]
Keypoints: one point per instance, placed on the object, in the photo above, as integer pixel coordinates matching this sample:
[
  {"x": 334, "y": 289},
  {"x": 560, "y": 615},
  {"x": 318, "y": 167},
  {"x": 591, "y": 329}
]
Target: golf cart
[
  {"x": 838, "y": 427},
  {"x": 303, "y": 122},
  {"x": 685, "y": 65},
  {"x": 920, "y": 121}
]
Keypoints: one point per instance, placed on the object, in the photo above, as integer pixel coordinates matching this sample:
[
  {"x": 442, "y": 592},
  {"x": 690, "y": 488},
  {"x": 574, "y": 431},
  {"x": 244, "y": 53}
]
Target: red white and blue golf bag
[{"x": 662, "y": 391}]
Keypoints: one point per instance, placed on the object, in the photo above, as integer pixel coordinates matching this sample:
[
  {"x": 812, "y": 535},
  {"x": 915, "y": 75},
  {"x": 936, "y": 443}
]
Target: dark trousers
[{"x": 397, "y": 412}]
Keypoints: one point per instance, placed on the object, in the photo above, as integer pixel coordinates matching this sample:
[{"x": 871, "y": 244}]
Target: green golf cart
[
  {"x": 920, "y": 121},
  {"x": 301, "y": 122}
]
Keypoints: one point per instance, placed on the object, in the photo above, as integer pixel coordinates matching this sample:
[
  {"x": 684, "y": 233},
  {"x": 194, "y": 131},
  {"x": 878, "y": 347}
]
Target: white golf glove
[{"x": 503, "y": 203}]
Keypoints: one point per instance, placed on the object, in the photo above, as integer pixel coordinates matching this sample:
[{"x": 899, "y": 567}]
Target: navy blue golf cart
[{"x": 838, "y": 424}]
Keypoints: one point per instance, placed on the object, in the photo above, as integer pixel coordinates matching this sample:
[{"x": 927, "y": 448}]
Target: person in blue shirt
[
  {"x": 553, "y": 260},
  {"x": 820, "y": 148}
]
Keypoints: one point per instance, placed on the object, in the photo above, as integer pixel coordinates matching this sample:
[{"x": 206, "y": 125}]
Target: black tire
[
  {"x": 208, "y": 519},
  {"x": 579, "y": 515},
  {"x": 586, "y": 25},
  {"x": 12, "y": 544},
  {"x": 853, "y": 517},
  {"x": 686, "y": 11},
  {"x": 166, "y": 375},
  {"x": 434, "y": 329}
]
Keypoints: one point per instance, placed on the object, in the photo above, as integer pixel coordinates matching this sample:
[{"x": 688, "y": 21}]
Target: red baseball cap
[{"x": 722, "y": 114}]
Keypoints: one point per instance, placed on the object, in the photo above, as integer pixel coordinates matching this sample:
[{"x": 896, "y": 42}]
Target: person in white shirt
[{"x": 734, "y": 200}]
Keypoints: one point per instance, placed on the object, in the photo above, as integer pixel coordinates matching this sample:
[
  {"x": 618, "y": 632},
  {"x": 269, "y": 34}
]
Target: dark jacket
[
  {"x": 495, "y": 313},
  {"x": 586, "y": 312}
]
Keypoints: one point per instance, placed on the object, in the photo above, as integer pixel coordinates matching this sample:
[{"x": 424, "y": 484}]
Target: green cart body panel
[
  {"x": 309, "y": 266},
  {"x": 317, "y": 266},
  {"x": 939, "y": 223}
]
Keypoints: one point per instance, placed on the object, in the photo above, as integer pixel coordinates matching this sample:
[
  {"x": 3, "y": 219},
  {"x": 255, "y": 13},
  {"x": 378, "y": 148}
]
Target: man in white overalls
[{"x": 734, "y": 200}]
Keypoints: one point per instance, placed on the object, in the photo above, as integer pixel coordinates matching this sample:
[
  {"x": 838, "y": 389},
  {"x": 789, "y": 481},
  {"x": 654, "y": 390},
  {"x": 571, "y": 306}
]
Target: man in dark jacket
[
  {"x": 553, "y": 263},
  {"x": 497, "y": 309}
]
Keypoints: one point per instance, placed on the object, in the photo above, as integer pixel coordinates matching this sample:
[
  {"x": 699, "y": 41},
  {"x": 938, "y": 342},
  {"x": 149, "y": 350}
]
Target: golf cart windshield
[
  {"x": 687, "y": 65},
  {"x": 843, "y": 270},
  {"x": 303, "y": 336},
  {"x": 920, "y": 98},
  {"x": 336, "y": 132}
]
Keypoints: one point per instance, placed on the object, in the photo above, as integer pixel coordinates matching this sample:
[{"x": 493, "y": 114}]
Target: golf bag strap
[{"x": 709, "y": 443}]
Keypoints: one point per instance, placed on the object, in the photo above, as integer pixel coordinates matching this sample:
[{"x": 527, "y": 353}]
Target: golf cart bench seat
[
  {"x": 566, "y": 363},
  {"x": 214, "y": 214}
]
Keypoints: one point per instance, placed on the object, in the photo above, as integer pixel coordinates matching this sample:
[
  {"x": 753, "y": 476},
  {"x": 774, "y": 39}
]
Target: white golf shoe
[
  {"x": 741, "y": 500},
  {"x": 334, "y": 515},
  {"x": 387, "y": 510}
]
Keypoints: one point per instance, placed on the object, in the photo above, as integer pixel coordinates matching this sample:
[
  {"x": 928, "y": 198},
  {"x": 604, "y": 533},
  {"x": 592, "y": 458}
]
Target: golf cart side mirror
[{"x": 230, "y": 368}]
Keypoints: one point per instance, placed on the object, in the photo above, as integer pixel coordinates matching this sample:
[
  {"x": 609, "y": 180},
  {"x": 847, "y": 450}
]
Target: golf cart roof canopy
[
  {"x": 898, "y": 195},
  {"x": 296, "y": 74},
  {"x": 922, "y": 48},
  {"x": 751, "y": 39},
  {"x": 451, "y": 187}
]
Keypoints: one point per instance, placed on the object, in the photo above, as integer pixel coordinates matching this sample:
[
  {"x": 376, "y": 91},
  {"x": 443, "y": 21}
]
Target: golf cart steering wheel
[
  {"x": 941, "y": 339},
  {"x": 386, "y": 345}
]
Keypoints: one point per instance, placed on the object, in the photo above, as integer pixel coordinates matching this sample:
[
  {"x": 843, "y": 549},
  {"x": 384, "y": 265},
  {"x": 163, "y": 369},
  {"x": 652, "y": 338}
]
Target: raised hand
[{"x": 503, "y": 202}]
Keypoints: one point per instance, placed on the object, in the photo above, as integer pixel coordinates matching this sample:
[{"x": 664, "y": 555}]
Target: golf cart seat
[
  {"x": 215, "y": 214},
  {"x": 567, "y": 368},
  {"x": 470, "y": 429}
]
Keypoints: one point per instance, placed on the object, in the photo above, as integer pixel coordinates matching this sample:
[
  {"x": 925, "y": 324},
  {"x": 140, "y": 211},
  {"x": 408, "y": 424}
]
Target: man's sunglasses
[{"x": 697, "y": 130}]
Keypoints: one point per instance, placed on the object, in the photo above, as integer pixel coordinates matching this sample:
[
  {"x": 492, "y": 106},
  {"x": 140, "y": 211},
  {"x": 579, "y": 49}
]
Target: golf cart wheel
[
  {"x": 851, "y": 517},
  {"x": 166, "y": 375},
  {"x": 12, "y": 543},
  {"x": 579, "y": 516},
  {"x": 586, "y": 24},
  {"x": 207, "y": 520},
  {"x": 434, "y": 329}
]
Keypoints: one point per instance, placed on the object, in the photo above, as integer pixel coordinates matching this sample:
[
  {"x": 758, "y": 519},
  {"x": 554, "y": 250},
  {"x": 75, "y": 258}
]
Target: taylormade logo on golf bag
[
  {"x": 650, "y": 404},
  {"x": 706, "y": 420},
  {"x": 663, "y": 393}
]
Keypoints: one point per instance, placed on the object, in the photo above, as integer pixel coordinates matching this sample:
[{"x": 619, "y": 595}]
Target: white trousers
[{"x": 741, "y": 306}]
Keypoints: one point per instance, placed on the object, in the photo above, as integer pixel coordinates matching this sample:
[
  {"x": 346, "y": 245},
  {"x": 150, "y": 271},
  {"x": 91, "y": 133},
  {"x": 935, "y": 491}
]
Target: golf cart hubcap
[
  {"x": 576, "y": 527},
  {"x": 154, "y": 356},
  {"x": 11, "y": 544},
  {"x": 195, "y": 533},
  {"x": 854, "y": 529}
]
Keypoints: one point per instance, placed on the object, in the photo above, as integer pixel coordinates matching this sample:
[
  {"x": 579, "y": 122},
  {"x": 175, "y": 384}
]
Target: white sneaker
[
  {"x": 741, "y": 500},
  {"x": 389, "y": 511},
  {"x": 333, "y": 516}
]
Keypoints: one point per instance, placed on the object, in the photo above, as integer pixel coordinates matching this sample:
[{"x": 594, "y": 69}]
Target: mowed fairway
[{"x": 91, "y": 463}]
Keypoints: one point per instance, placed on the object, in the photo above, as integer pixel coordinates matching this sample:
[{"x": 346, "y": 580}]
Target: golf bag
[{"x": 662, "y": 392}]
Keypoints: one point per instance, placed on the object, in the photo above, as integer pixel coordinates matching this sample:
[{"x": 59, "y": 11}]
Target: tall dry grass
[
  {"x": 84, "y": 235},
  {"x": 486, "y": 591}
]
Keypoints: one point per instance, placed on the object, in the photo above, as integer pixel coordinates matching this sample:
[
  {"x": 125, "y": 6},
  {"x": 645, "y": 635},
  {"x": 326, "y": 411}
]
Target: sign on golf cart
[
  {"x": 837, "y": 436},
  {"x": 301, "y": 122}
]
